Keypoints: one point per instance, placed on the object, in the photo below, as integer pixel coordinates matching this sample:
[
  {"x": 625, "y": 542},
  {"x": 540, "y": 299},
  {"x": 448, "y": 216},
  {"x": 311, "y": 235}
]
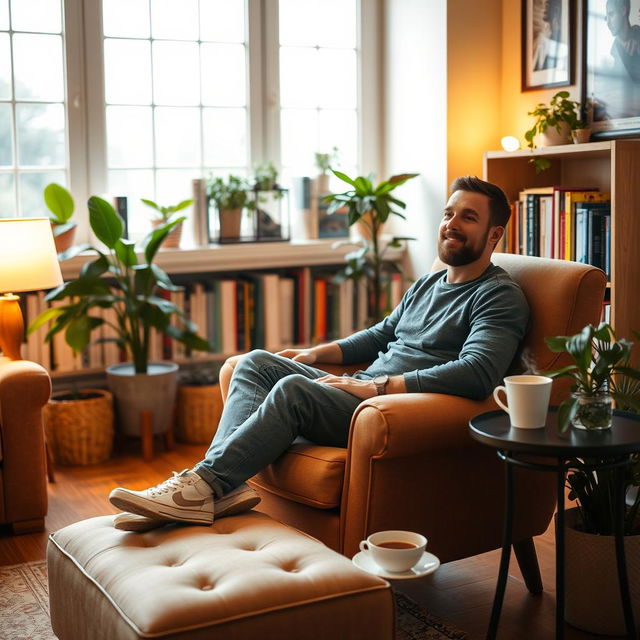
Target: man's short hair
[{"x": 499, "y": 209}]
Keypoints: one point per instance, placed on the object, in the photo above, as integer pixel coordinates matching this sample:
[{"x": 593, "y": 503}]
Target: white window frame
[{"x": 86, "y": 115}]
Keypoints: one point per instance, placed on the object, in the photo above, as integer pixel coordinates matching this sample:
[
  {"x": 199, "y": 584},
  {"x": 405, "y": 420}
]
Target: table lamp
[{"x": 28, "y": 262}]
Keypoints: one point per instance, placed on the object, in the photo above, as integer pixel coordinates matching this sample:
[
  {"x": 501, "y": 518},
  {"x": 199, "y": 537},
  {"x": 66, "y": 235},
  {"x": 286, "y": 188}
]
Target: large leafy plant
[
  {"x": 130, "y": 288},
  {"x": 601, "y": 363},
  {"x": 370, "y": 205}
]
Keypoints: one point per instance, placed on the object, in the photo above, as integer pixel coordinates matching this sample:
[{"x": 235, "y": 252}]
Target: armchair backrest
[{"x": 563, "y": 296}]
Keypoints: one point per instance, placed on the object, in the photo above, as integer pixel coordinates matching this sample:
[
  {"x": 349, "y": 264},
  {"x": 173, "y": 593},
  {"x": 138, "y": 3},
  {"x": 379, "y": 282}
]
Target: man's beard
[{"x": 464, "y": 254}]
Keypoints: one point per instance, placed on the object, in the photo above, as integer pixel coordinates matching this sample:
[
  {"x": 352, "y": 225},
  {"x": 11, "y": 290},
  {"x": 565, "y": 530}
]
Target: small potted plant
[
  {"x": 61, "y": 206},
  {"x": 163, "y": 214},
  {"x": 554, "y": 123},
  {"x": 601, "y": 374},
  {"x": 132, "y": 291},
  {"x": 199, "y": 405},
  {"x": 323, "y": 162},
  {"x": 370, "y": 206},
  {"x": 230, "y": 197}
]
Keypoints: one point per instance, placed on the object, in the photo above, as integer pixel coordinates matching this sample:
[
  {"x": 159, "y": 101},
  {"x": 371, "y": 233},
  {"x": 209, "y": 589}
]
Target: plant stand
[{"x": 146, "y": 432}]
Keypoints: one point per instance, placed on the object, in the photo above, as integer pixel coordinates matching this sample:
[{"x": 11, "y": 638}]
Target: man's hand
[
  {"x": 305, "y": 356},
  {"x": 362, "y": 389}
]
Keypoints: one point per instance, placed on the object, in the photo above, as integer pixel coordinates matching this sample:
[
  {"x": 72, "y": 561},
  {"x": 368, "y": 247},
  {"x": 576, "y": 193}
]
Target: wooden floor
[{"x": 460, "y": 592}]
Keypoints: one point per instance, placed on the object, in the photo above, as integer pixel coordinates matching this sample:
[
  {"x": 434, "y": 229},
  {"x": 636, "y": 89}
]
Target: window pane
[
  {"x": 4, "y": 14},
  {"x": 130, "y": 137},
  {"x": 339, "y": 128},
  {"x": 40, "y": 133},
  {"x": 32, "y": 191},
  {"x": 222, "y": 20},
  {"x": 336, "y": 23},
  {"x": 5, "y": 67},
  {"x": 136, "y": 24},
  {"x": 298, "y": 77},
  {"x": 6, "y": 136},
  {"x": 134, "y": 185},
  {"x": 175, "y": 73},
  {"x": 223, "y": 75},
  {"x": 337, "y": 78},
  {"x": 175, "y": 20},
  {"x": 37, "y": 63},
  {"x": 7, "y": 196},
  {"x": 178, "y": 137},
  {"x": 127, "y": 72},
  {"x": 298, "y": 25},
  {"x": 299, "y": 138},
  {"x": 36, "y": 15},
  {"x": 224, "y": 137}
]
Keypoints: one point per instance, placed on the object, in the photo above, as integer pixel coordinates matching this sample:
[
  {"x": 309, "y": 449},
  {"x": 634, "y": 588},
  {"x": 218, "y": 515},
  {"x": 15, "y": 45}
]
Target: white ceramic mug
[
  {"x": 395, "y": 551},
  {"x": 527, "y": 400}
]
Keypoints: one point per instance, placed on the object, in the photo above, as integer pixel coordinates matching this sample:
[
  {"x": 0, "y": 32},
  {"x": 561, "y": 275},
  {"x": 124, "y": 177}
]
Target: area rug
[{"x": 24, "y": 609}]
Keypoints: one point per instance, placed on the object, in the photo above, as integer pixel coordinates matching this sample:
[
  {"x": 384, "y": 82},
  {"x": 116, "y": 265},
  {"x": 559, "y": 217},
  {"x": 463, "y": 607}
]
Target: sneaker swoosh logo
[{"x": 181, "y": 501}]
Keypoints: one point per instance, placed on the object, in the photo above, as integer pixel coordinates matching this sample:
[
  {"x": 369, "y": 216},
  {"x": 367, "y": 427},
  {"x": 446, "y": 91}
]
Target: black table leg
[
  {"x": 505, "y": 556},
  {"x": 560, "y": 553},
  {"x": 623, "y": 578}
]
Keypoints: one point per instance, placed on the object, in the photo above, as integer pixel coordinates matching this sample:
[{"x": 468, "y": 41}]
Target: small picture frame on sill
[{"x": 548, "y": 43}]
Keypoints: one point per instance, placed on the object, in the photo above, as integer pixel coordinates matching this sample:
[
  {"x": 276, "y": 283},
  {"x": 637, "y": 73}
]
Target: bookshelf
[{"x": 610, "y": 165}]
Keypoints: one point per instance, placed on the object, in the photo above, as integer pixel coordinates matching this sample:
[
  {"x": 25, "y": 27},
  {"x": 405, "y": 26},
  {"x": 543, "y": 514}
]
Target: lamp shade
[{"x": 28, "y": 258}]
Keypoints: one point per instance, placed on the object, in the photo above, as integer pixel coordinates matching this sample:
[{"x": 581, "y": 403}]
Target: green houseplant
[
  {"x": 230, "y": 196},
  {"x": 601, "y": 373},
  {"x": 61, "y": 207},
  {"x": 163, "y": 214},
  {"x": 370, "y": 206},
  {"x": 601, "y": 364},
  {"x": 130, "y": 288},
  {"x": 556, "y": 120}
]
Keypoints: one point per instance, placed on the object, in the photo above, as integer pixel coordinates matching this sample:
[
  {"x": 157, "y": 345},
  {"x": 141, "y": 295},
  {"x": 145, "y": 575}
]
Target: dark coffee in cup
[{"x": 392, "y": 544}]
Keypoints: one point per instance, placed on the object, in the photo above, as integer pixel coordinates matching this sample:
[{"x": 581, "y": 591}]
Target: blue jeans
[{"x": 271, "y": 401}]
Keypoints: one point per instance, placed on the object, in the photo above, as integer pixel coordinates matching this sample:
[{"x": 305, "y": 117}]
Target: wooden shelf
[{"x": 612, "y": 166}]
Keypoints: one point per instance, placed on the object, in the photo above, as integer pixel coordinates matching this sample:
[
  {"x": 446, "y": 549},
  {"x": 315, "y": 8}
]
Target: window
[
  {"x": 33, "y": 148},
  {"x": 159, "y": 92}
]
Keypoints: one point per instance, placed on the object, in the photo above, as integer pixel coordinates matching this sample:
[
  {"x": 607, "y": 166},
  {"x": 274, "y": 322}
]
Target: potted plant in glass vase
[
  {"x": 129, "y": 284},
  {"x": 370, "y": 206},
  {"x": 164, "y": 214},
  {"x": 601, "y": 374}
]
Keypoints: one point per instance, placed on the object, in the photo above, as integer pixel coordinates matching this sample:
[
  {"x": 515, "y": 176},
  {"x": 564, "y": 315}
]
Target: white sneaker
[{"x": 185, "y": 497}]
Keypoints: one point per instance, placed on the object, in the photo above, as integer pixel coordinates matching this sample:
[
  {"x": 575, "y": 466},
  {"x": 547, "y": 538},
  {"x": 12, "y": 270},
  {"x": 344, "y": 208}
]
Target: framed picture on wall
[
  {"x": 548, "y": 43},
  {"x": 612, "y": 67}
]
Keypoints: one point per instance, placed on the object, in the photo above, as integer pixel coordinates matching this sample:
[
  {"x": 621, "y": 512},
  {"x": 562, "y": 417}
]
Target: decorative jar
[{"x": 594, "y": 412}]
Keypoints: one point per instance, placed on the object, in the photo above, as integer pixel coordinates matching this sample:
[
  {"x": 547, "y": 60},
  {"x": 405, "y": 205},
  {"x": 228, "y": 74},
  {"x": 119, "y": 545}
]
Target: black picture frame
[
  {"x": 611, "y": 75},
  {"x": 548, "y": 44}
]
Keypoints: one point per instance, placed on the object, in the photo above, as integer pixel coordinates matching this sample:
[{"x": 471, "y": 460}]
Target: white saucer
[{"x": 426, "y": 565}]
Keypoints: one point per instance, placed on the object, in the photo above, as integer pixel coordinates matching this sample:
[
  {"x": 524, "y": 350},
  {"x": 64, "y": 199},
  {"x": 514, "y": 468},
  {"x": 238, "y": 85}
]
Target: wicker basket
[
  {"x": 199, "y": 410},
  {"x": 80, "y": 431}
]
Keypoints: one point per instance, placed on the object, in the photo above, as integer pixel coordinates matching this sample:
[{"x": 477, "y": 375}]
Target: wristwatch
[{"x": 381, "y": 383}]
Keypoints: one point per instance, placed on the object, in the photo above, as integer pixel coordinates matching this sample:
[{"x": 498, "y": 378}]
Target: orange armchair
[
  {"x": 24, "y": 389},
  {"x": 410, "y": 462}
]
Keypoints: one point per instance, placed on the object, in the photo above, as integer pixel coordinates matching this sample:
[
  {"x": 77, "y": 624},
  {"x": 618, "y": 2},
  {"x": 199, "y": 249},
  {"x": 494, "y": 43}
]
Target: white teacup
[
  {"x": 395, "y": 550},
  {"x": 527, "y": 400}
]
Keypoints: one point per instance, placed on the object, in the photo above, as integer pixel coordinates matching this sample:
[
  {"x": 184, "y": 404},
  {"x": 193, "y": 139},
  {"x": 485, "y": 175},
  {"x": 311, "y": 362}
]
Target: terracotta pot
[
  {"x": 80, "y": 430},
  {"x": 592, "y": 600},
  {"x": 65, "y": 240},
  {"x": 198, "y": 413},
  {"x": 172, "y": 241},
  {"x": 154, "y": 391},
  {"x": 230, "y": 221},
  {"x": 551, "y": 137},
  {"x": 580, "y": 136}
]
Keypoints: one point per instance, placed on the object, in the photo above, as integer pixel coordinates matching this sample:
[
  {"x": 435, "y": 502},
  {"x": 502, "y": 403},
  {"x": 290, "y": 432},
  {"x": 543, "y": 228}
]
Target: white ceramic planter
[{"x": 154, "y": 391}]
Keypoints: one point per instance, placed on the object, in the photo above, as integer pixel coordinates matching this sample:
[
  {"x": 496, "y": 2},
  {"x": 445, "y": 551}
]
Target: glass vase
[{"x": 594, "y": 412}]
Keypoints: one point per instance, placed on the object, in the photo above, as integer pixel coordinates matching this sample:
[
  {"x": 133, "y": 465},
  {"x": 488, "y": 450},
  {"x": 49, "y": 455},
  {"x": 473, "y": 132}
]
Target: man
[
  {"x": 626, "y": 44},
  {"x": 455, "y": 331}
]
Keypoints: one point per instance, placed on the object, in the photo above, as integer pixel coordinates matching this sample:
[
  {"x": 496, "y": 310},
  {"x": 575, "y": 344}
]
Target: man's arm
[{"x": 329, "y": 353}]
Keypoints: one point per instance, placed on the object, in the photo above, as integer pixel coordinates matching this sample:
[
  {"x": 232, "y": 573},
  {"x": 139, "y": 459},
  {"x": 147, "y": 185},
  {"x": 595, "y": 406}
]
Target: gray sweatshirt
[{"x": 455, "y": 338}]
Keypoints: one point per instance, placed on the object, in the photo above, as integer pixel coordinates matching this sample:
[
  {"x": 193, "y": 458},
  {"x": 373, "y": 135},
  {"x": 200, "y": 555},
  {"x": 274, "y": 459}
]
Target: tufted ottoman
[{"x": 245, "y": 577}]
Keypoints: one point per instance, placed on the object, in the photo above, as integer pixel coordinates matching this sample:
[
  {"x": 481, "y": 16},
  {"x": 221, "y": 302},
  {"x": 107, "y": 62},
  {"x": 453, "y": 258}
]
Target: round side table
[{"x": 612, "y": 447}]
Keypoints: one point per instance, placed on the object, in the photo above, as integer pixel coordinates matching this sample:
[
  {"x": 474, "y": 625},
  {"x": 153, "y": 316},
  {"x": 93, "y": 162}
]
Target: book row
[
  {"x": 568, "y": 223},
  {"x": 236, "y": 314}
]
